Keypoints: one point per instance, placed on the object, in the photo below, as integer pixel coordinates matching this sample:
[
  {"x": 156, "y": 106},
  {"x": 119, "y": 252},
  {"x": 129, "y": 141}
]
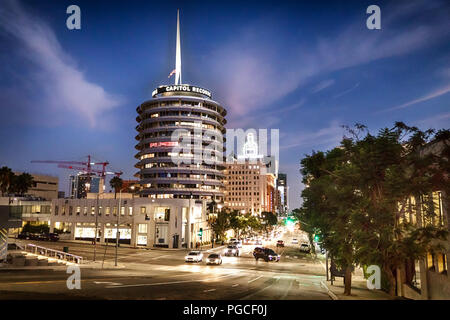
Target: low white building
[{"x": 170, "y": 223}]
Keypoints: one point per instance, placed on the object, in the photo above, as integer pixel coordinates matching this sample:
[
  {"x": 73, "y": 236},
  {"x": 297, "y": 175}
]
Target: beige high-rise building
[{"x": 249, "y": 187}]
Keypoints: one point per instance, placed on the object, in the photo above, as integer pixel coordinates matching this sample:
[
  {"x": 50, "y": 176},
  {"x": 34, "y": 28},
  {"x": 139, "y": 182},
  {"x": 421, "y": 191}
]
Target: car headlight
[
  {"x": 233, "y": 251},
  {"x": 186, "y": 257}
]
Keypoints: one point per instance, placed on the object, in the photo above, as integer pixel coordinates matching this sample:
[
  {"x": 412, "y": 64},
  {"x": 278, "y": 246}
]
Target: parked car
[
  {"x": 280, "y": 243},
  {"x": 294, "y": 241},
  {"x": 194, "y": 256},
  {"x": 35, "y": 236},
  {"x": 305, "y": 247},
  {"x": 214, "y": 258},
  {"x": 49, "y": 237},
  {"x": 24, "y": 236},
  {"x": 231, "y": 251},
  {"x": 266, "y": 254}
]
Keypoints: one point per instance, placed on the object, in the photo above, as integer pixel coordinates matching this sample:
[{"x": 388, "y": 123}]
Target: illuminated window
[
  {"x": 142, "y": 228},
  {"x": 108, "y": 211},
  {"x": 92, "y": 210},
  {"x": 130, "y": 211},
  {"x": 143, "y": 210},
  {"x": 442, "y": 263},
  {"x": 162, "y": 214},
  {"x": 78, "y": 210},
  {"x": 122, "y": 211},
  {"x": 430, "y": 261},
  {"x": 85, "y": 209},
  {"x": 115, "y": 211}
]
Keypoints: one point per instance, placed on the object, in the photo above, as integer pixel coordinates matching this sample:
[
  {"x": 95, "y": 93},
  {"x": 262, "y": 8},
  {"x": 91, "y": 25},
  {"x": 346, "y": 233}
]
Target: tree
[
  {"x": 359, "y": 195},
  {"x": 116, "y": 183},
  {"x": 6, "y": 176},
  {"x": 237, "y": 222},
  {"x": 21, "y": 183},
  {"x": 221, "y": 224}
]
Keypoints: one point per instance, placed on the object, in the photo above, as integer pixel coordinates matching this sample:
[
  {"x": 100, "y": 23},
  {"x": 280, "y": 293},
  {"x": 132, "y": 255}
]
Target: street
[{"x": 163, "y": 275}]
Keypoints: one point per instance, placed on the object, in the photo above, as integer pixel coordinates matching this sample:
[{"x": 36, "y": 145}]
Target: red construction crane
[{"x": 87, "y": 167}]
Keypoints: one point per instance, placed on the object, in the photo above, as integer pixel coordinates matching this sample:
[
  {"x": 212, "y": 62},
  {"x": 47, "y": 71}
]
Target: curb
[{"x": 330, "y": 293}]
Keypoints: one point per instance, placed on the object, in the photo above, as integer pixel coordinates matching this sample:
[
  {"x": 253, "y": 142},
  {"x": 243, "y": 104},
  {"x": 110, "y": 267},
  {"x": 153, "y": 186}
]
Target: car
[
  {"x": 294, "y": 241},
  {"x": 280, "y": 243},
  {"x": 305, "y": 247},
  {"x": 48, "y": 237},
  {"x": 35, "y": 236},
  {"x": 24, "y": 236},
  {"x": 214, "y": 258},
  {"x": 231, "y": 251},
  {"x": 266, "y": 254},
  {"x": 194, "y": 256},
  {"x": 232, "y": 240}
]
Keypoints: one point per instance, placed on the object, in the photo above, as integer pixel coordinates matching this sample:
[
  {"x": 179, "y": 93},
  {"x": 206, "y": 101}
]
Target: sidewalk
[{"x": 359, "y": 289}]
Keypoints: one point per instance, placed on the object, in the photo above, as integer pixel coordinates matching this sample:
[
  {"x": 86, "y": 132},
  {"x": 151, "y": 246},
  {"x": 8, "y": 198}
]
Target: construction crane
[{"x": 88, "y": 167}]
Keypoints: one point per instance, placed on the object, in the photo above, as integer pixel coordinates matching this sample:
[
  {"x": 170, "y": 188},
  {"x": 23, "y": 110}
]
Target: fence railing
[{"x": 51, "y": 253}]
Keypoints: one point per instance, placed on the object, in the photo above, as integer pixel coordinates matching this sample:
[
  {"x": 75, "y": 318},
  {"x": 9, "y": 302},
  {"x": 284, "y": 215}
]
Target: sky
[{"x": 303, "y": 67}]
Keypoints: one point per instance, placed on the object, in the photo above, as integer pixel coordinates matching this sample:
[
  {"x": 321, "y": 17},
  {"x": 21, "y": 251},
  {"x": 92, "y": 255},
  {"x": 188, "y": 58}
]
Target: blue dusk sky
[{"x": 303, "y": 67}]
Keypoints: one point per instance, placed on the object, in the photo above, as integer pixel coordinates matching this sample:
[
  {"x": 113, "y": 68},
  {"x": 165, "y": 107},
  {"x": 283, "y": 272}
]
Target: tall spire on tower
[{"x": 178, "y": 53}]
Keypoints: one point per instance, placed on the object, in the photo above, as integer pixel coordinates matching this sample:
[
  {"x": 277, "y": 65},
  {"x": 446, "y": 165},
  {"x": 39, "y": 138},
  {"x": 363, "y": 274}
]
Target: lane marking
[
  {"x": 210, "y": 290},
  {"x": 250, "y": 281},
  {"x": 259, "y": 291},
  {"x": 235, "y": 285},
  {"x": 107, "y": 282},
  {"x": 167, "y": 283},
  {"x": 287, "y": 291},
  {"x": 166, "y": 255}
]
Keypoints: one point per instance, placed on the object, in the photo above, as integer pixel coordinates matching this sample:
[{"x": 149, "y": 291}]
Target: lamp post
[
  {"x": 117, "y": 227},
  {"x": 96, "y": 228}
]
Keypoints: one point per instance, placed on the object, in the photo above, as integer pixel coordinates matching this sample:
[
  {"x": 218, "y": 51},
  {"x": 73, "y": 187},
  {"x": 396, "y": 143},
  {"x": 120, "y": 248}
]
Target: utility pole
[
  {"x": 96, "y": 228},
  {"x": 117, "y": 228}
]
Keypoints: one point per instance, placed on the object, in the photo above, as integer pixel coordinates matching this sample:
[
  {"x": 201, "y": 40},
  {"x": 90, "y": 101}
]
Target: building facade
[
  {"x": 44, "y": 186},
  {"x": 249, "y": 188},
  {"x": 81, "y": 184},
  {"x": 180, "y": 146},
  {"x": 147, "y": 222},
  {"x": 282, "y": 194}
]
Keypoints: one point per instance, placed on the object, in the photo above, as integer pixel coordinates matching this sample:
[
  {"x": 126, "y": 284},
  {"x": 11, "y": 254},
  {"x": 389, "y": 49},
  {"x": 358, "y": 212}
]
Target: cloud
[
  {"x": 323, "y": 85},
  {"x": 346, "y": 91},
  {"x": 434, "y": 94},
  {"x": 58, "y": 89},
  {"x": 261, "y": 65}
]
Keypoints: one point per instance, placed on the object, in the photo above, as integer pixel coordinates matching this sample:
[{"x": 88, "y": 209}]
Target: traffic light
[
  {"x": 316, "y": 238},
  {"x": 290, "y": 222},
  {"x": 200, "y": 232}
]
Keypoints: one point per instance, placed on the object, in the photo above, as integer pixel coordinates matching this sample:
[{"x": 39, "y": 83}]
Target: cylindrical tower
[{"x": 180, "y": 145}]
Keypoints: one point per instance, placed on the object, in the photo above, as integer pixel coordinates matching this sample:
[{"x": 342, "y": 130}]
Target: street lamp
[
  {"x": 117, "y": 227},
  {"x": 96, "y": 229}
]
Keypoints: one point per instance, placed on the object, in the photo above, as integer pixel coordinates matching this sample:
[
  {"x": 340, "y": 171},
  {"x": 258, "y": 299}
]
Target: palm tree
[
  {"x": 6, "y": 177},
  {"x": 21, "y": 183},
  {"x": 116, "y": 183}
]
